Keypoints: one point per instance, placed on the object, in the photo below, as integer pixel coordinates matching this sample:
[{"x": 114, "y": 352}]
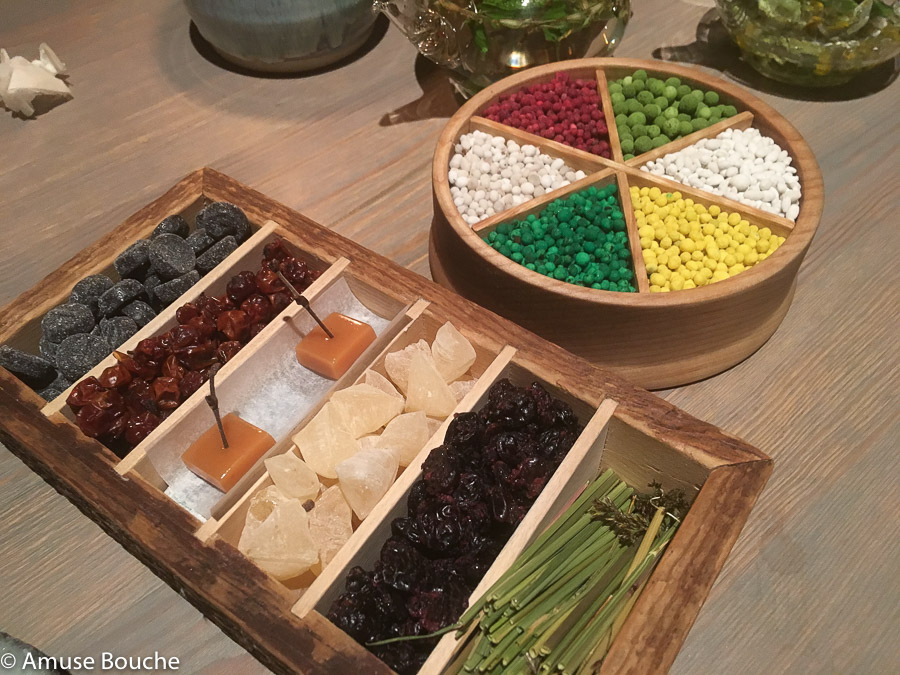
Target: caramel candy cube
[
  {"x": 223, "y": 467},
  {"x": 332, "y": 357}
]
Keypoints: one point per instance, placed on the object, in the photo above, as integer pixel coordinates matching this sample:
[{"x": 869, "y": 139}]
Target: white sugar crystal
[
  {"x": 741, "y": 164},
  {"x": 505, "y": 168}
]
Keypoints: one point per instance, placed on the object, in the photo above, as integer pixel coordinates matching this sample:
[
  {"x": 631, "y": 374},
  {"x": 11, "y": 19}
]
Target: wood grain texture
[
  {"x": 621, "y": 330},
  {"x": 806, "y": 589}
]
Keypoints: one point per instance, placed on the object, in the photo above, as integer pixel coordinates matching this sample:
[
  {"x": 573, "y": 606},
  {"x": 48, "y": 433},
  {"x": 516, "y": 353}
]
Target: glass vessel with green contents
[
  {"x": 813, "y": 42},
  {"x": 580, "y": 239},
  {"x": 483, "y": 41}
]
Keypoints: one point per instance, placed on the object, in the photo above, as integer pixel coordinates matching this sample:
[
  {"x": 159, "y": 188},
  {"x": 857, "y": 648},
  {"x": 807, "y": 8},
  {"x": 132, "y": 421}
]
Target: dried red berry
[
  {"x": 115, "y": 376},
  {"x": 233, "y": 324}
]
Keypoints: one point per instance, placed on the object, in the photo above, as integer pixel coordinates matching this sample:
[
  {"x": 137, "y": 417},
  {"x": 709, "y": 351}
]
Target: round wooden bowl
[{"x": 656, "y": 340}]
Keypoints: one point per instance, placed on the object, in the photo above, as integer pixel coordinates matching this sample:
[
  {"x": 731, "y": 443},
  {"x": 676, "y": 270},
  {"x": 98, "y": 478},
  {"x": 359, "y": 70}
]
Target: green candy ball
[
  {"x": 673, "y": 82},
  {"x": 617, "y": 98},
  {"x": 684, "y": 128},
  {"x": 633, "y": 105},
  {"x": 699, "y": 123},
  {"x": 683, "y": 90},
  {"x": 710, "y": 98},
  {"x": 729, "y": 111},
  {"x": 636, "y": 118},
  {"x": 651, "y": 110},
  {"x": 671, "y": 112},
  {"x": 655, "y": 86},
  {"x": 643, "y": 144},
  {"x": 688, "y": 104},
  {"x": 638, "y": 130},
  {"x": 644, "y": 97},
  {"x": 653, "y": 131},
  {"x": 660, "y": 140},
  {"x": 640, "y": 74},
  {"x": 670, "y": 92},
  {"x": 615, "y": 88},
  {"x": 629, "y": 90},
  {"x": 670, "y": 127},
  {"x": 627, "y": 145}
]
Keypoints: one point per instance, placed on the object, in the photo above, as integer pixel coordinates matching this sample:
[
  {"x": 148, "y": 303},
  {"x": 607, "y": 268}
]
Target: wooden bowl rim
[{"x": 793, "y": 248}]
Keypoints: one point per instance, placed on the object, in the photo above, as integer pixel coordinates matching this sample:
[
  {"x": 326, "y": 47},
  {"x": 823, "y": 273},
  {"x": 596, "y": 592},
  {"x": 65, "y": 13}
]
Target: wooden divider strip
[
  {"x": 609, "y": 116},
  {"x": 580, "y": 466},
  {"x": 575, "y": 158},
  {"x": 741, "y": 121},
  {"x": 778, "y": 225},
  {"x": 634, "y": 239},
  {"x": 332, "y": 274},
  {"x": 524, "y": 209},
  {"x": 371, "y": 355},
  {"x": 365, "y": 534},
  {"x": 166, "y": 318}
]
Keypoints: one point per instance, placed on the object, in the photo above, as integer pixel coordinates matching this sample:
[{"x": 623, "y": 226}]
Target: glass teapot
[{"x": 482, "y": 41}]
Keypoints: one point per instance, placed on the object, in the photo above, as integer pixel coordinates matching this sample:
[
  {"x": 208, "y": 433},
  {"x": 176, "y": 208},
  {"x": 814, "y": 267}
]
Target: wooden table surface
[{"x": 812, "y": 584}]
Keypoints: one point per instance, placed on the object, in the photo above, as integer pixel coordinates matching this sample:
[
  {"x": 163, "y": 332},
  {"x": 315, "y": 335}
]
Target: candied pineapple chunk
[
  {"x": 375, "y": 379},
  {"x": 324, "y": 442},
  {"x": 363, "y": 409},
  {"x": 406, "y": 435},
  {"x": 293, "y": 476},
  {"x": 276, "y": 535},
  {"x": 461, "y": 388},
  {"x": 397, "y": 363},
  {"x": 427, "y": 389},
  {"x": 330, "y": 524},
  {"x": 453, "y": 353},
  {"x": 366, "y": 477}
]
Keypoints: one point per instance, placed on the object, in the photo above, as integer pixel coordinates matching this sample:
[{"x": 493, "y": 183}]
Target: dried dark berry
[
  {"x": 88, "y": 290},
  {"x": 139, "y": 312},
  {"x": 475, "y": 489},
  {"x": 140, "y": 425},
  {"x": 117, "y": 330},
  {"x": 191, "y": 382},
  {"x": 227, "y": 351},
  {"x": 280, "y": 301},
  {"x": 221, "y": 219},
  {"x": 258, "y": 308},
  {"x": 115, "y": 376},
  {"x": 267, "y": 281},
  {"x": 133, "y": 262},
  {"x": 199, "y": 241},
  {"x": 118, "y": 296},
  {"x": 170, "y": 291},
  {"x": 241, "y": 286},
  {"x": 276, "y": 250},
  {"x": 171, "y": 225},
  {"x": 65, "y": 320},
  {"x": 171, "y": 256},
  {"x": 216, "y": 254}
]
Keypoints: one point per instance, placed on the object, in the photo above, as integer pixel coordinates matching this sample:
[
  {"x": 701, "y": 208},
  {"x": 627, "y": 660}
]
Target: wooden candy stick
[
  {"x": 213, "y": 402},
  {"x": 299, "y": 299}
]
